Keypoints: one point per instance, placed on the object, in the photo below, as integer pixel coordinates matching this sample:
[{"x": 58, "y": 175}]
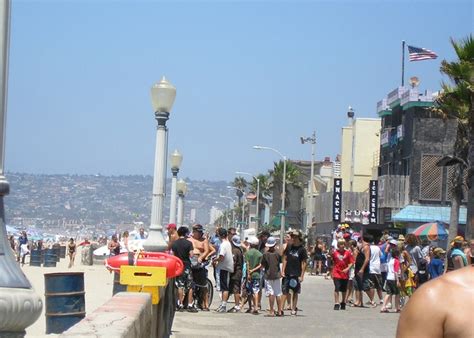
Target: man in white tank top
[{"x": 375, "y": 274}]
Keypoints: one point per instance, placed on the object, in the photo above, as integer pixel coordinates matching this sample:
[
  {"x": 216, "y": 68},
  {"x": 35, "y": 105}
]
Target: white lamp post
[
  {"x": 176, "y": 159},
  {"x": 283, "y": 194},
  {"x": 20, "y": 306},
  {"x": 258, "y": 197},
  {"x": 242, "y": 218},
  {"x": 311, "y": 140},
  {"x": 162, "y": 98},
  {"x": 231, "y": 207},
  {"x": 182, "y": 188}
]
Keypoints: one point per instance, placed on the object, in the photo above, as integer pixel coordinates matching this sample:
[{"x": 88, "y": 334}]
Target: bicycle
[
  {"x": 197, "y": 288},
  {"x": 197, "y": 293}
]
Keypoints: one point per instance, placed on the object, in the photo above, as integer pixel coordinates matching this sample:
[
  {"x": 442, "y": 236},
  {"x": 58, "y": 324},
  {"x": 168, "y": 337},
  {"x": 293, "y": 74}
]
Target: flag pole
[{"x": 403, "y": 63}]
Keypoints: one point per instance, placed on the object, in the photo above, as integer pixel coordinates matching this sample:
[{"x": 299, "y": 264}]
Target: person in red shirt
[{"x": 342, "y": 261}]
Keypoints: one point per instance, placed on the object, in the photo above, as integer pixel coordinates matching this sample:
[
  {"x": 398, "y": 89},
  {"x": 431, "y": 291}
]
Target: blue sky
[{"x": 246, "y": 73}]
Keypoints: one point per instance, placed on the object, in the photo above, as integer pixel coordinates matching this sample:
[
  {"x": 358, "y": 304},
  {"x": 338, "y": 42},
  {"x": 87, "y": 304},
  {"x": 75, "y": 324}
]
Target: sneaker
[
  {"x": 336, "y": 306},
  {"x": 233, "y": 310},
  {"x": 389, "y": 305},
  {"x": 221, "y": 309},
  {"x": 381, "y": 302},
  {"x": 179, "y": 308},
  {"x": 343, "y": 306},
  {"x": 192, "y": 309}
]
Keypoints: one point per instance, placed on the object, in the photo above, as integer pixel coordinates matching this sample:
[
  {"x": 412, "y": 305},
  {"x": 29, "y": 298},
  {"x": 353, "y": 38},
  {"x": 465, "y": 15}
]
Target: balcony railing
[
  {"x": 393, "y": 191},
  {"x": 382, "y": 106},
  {"x": 395, "y": 94}
]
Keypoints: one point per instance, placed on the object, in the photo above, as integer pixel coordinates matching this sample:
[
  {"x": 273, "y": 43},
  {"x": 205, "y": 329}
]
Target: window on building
[
  {"x": 431, "y": 178},
  {"x": 406, "y": 167}
]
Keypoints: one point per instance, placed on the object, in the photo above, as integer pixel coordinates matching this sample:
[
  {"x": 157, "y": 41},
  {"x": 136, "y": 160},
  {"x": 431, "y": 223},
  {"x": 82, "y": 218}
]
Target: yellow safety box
[{"x": 143, "y": 279}]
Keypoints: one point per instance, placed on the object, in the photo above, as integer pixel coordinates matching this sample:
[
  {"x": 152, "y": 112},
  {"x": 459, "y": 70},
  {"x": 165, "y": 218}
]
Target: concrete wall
[
  {"x": 346, "y": 158},
  {"x": 360, "y": 142},
  {"x": 366, "y": 143},
  {"x": 126, "y": 315}
]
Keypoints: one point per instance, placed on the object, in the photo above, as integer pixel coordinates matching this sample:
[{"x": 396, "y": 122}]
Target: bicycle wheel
[{"x": 210, "y": 291}]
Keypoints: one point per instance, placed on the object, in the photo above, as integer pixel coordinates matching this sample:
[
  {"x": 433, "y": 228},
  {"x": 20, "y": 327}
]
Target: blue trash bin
[
  {"x": 65, "y": 300},
  {"x": 35, "y": 258},
  {"x": 50, "y": 259}
]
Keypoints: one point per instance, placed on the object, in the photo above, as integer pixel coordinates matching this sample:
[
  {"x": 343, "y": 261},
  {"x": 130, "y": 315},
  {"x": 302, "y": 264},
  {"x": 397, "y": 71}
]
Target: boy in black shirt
[
  {"x": 183, "y": 249},
  {"x": 294, "y": 265}
]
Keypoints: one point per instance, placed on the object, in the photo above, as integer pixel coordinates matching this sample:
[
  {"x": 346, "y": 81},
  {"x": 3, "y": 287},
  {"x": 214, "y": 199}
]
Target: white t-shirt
[
  {"x": 225, "y": 250},
  {"x": 375, "y": 255},
  {"x": 393, "y": 267}
]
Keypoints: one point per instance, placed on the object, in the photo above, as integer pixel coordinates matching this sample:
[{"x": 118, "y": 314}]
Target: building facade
[
  {"x": 413, "y": 189},
  {"x": 359, "y": 156}
]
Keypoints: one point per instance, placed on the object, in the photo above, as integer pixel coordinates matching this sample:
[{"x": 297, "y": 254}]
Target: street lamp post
[
  {"x": 311, "y": 140},
  {"x": 176, "y": 159},
  {"x": 20, "y": 306},
  {"x": 258, "y": 197},
  {"x": 182, "y": 188},
  {"x": 242, "y": 221},
  {"x": 283, "y": 195},
  {"x": 162, "y": 97},
  {"x": 225, "y": 215},
  {"x": 231, "y": 206}
]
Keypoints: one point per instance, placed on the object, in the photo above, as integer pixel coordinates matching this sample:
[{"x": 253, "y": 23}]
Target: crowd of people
[
  {"x": 247, "y": 270},
  {"x": 397, "y": 266},
  {"x": 386, "y": 271}
]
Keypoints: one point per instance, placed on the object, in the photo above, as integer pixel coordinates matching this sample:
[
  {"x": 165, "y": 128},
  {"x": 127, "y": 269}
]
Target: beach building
[{"x": 412, "y": 188}]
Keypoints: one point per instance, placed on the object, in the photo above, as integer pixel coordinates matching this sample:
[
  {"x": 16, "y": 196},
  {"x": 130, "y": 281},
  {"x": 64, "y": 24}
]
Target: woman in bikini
[{"x": 71, "y": 247}]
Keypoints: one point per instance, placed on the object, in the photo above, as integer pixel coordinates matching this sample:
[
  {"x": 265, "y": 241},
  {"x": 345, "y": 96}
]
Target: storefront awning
[{"x": 423, "y": 214}]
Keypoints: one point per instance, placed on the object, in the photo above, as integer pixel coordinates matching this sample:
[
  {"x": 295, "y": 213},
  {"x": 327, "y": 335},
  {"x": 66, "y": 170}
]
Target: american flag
[{"x": 418, "y": 54}]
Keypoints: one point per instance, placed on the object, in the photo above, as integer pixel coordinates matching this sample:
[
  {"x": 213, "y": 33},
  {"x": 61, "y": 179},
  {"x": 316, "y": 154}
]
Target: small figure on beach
[{"x": 71, "y": 247}]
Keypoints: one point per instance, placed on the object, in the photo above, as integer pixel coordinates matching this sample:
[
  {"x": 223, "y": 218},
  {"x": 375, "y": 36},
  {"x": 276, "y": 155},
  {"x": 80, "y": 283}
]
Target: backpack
[{"x": 422, "y": 273}]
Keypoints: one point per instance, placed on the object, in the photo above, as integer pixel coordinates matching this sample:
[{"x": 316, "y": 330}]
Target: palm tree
[
  {"x": 292, "y": 174},
  {"x": 265, "y": 191},
  {"x": 456, "y": 101}
]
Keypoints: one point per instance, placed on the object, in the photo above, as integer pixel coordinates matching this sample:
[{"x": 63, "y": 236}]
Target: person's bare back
[{"x": 441, "y": 308}]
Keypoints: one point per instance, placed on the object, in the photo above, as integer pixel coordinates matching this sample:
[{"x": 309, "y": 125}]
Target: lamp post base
[
  {"x": 155, "y": 241},
  {"x": 19, "y": 308}
]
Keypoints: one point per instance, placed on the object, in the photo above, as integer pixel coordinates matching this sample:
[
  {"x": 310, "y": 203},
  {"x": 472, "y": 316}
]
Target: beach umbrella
[
  {"x": 11, "y": 229},
  {"x": 433, "y": 231}
]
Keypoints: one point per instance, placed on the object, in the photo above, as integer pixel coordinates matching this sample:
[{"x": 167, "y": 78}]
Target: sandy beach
[{"x": 98, "y": 287}]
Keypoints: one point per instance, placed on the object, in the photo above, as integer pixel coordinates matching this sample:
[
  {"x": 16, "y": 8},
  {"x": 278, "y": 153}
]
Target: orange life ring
[{"x": 174, "y": 266}]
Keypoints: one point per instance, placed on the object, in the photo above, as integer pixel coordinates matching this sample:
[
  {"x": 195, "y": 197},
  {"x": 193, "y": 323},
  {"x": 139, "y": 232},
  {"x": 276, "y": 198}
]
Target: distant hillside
[{"x": 96, "y": 199}]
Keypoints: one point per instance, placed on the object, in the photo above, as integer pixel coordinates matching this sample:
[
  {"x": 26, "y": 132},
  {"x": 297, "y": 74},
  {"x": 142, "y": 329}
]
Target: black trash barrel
[
  {"x": 65, "y": 300},
  {"x": 35, "y": 258},
  {"x": 57, "y": 249},
  {"x": 62, "y": 251},
  {"x": 49, "y": 258}
]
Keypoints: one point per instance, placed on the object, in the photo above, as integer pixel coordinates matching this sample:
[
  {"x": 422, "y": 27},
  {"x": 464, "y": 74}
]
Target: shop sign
[
  {"x": 373, "y": 201},
  {"x": 337, "y": 200}
]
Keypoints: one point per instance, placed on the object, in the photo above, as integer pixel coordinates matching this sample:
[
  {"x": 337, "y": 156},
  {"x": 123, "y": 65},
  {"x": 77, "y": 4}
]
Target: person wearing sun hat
[
  {"x": 253, "y": 258},
  {"x": 235, "y": 283},
  {"x": 436, "y": 265},
  {"x": 294, "y": 261},
  {"x": 271, "y": 263},
  {"x": 457, "y": 256}
]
